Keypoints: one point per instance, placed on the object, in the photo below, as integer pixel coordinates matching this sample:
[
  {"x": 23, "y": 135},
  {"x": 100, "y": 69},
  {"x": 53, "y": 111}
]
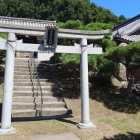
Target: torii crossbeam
[{"x": 37, "y": 28}]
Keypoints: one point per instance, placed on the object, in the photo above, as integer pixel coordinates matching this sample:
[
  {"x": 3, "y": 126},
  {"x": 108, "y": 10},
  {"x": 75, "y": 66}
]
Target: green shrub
[
  {"x": 3, "y": 35},
  {"x": 129, "y": 53}
]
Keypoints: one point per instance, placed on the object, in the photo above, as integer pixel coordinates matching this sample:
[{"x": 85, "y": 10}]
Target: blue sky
[{"x": 128, "y": 8}]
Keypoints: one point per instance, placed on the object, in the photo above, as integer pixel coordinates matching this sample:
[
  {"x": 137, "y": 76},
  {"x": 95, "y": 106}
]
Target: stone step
[
  {"x": 24, "y": 54},
  {"x": 21, "y": 70},
  {"x": 24, "y": 113},
  {"x": 23, "y": 93},
  {"x": 22, "y": 65},
  {"x": 20, "y": 106},
  {"x": 16, "y": 106},
  {"x": 34, "y": 113},
  {"x": 46, "y": 76},
  {"x": 35, "y": 83},
  {"x": 30, "y": 88},
  {"x": 35, "y": 80},
  {"x": 33, "y": 76},
  {"x": 27, "y": 73},
  {"x": 28, "y": 80},
  {"x": 53, "y": 111},
  {"x": 22, "y": 77},
  {"x": 40, "y": 64},
  {"x": 48, "y": 99},
  {"x": 27, "y": 99},
  {"x": 32, "y": 69},
  {"x": 50, "y": 105},
  {"x": 31, "y": 93},
  {"x": 21, "y": 73},
  {"x": 31, "y": 66},
  {"x": 21, "y": 60},
  {"x": 26, "y": 88},
  {"x": 22, "y": 80}
]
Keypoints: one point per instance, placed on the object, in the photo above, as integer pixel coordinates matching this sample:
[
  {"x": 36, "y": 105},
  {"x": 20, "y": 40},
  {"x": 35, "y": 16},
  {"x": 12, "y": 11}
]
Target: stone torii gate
[{"x": 20, "y": 26}]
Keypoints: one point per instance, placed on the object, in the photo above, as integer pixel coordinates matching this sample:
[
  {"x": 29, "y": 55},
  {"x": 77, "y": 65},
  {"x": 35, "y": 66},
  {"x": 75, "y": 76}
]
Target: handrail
[{"x": 38, "y": 81}]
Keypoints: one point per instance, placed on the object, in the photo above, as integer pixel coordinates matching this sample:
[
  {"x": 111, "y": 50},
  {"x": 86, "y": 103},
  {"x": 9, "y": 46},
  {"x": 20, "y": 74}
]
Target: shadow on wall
[
  {"x": 120, "y": 101},
  {"x": 128, "y": 136}
]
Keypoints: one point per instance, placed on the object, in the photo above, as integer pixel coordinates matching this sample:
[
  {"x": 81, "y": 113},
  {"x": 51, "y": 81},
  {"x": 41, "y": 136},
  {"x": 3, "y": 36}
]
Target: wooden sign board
[{"x": 51, "y": 34}]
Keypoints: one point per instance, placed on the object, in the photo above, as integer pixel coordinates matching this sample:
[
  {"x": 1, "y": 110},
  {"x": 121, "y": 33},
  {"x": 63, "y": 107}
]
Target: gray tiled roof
[
  {"x": 131, "y": 38},
  {"x": 126, "y": 30}
]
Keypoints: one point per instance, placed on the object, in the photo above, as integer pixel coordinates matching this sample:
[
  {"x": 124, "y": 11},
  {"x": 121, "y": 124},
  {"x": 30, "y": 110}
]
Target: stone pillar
[
  {"x": 8, "y": 87},
  {"x": 85, "y": 115}
]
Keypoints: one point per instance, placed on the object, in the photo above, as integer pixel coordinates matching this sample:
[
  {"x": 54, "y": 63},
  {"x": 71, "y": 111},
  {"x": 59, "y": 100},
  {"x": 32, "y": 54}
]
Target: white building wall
[{"x": 44, "y": 55}]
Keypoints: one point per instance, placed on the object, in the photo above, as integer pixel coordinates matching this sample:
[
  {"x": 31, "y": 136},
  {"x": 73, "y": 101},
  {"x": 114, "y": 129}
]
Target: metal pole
[
  {"x": 8, "y": 86},
  {"x": 85, "y": 117}
]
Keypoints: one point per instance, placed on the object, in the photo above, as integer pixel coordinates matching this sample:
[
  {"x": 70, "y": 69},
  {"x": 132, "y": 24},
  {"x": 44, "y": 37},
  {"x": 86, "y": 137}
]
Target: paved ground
[{"x": 63, "y": 136}]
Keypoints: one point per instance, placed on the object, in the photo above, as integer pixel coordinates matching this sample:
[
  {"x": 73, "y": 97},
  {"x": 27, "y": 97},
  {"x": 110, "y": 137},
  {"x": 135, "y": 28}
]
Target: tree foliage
[
  {"x": 129, "y": 53},
  {"x": 2, "y": 53},
  {"x": 73, "y": 14},
  {"x": 99, "y": 64},
  {"x": 59, "y": 10},
  {"x": 78, "y": 25}
]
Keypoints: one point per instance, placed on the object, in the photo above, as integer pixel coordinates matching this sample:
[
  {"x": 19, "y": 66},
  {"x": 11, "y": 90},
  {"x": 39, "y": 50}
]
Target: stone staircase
[
  {"x": 26, "y": 94},
  {"x": 22, "y": 54}
]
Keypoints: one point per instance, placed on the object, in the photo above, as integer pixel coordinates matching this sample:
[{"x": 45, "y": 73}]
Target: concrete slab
[{"x": 62, "y": 136}]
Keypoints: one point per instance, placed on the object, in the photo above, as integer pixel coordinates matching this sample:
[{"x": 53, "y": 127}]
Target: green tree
[
  {"x": 59, "y": 10},
  {"x": 2, "y": 53},
  {"x": 121, "y": 19}
]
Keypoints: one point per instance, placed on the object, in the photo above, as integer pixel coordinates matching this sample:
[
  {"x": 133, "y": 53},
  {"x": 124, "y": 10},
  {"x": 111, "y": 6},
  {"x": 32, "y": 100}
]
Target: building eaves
[{"x": 127, "y": 22}]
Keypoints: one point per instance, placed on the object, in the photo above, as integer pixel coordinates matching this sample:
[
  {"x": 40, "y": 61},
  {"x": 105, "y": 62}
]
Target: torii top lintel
[{"x": 23, "y": 26}]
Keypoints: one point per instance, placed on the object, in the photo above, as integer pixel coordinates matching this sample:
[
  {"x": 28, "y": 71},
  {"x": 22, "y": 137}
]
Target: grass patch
[
  {"x": 1, "y": 91},
  {"x": 120, "y": 125},
  {"x": 111, "y": 125}
]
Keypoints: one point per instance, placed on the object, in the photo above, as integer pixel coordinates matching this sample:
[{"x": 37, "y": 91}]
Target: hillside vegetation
[{"x": 59, "y": 10}]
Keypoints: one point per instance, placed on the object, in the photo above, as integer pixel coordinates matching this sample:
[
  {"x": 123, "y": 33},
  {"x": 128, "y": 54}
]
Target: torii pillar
[
  {"x": 85, "y": 113},
  {"x": 8, "y": 87}
]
